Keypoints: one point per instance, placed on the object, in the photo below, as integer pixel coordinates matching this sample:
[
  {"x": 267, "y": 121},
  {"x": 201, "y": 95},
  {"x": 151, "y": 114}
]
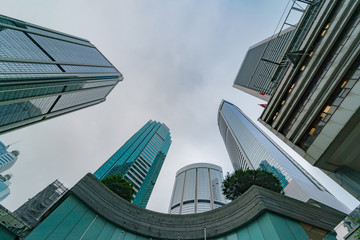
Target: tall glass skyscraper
[
  {"x": 7, "y": 159},
  {"x": 197, "y": 189},
  {"x": 4, "y": 186},
  {"x": 140, "y": 160},
  {"x": 45, "y": 73},
  {"x": 251, "y": 148}
]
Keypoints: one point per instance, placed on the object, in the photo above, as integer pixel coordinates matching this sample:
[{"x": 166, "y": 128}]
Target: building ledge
[{"x": 217, "y": 222}]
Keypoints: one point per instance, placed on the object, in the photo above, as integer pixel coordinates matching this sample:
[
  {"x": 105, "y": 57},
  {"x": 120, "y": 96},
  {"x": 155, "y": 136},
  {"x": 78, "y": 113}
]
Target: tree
[
  {"x": 238, "y": 182},
  {"x": 120, "y": 186}
]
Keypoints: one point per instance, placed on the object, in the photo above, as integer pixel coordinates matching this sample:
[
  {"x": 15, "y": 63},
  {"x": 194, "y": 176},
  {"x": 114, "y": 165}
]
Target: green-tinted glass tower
[
  {"x": 45, "y": 73},
  {"x": 140, "y": 159}
]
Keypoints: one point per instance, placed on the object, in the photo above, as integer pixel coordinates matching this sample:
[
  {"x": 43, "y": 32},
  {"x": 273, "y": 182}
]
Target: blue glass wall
[
  {"x": 45, "y": 73},
  {"x": 140, "y": 159}
]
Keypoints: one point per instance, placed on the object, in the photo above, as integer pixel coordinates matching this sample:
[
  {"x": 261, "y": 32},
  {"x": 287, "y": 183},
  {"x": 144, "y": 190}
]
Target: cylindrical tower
[{"x": 197, "y": 189}]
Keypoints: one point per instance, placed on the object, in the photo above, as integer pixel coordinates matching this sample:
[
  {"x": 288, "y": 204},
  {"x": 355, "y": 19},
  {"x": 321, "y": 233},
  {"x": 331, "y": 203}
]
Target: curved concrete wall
[{"x": 218, "y": 222}]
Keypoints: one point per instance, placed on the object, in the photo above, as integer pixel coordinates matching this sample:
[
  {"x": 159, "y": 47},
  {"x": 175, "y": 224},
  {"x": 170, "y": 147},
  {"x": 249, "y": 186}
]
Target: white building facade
[{"x": 197, "y": 189}]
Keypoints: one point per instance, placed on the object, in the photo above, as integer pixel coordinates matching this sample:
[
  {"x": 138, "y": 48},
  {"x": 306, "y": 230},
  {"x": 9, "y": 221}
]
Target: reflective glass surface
[
  {"x": 259, "y": 147},
  {"x": 63, "y": 51},
  {"x": 74, "y": 68},
  {"x": 28, "y": 67},
  {"x": 140, "y": 159},
  {"x": 16, "y": 45},
  {"x": 48, "y": 33},
  {"x": 15, "y": 112},
  {"x": 28, "y": 70},
  {"x": 78, "y": 98}
]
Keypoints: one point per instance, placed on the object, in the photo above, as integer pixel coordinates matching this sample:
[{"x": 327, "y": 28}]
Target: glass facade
[
  {"x": 140, "y": 159},
  {"x": 250, "y": 148},
  {"x": 43, "y": 72},
  {"x": 33, "y": 210},
  {"x": 261, "y": 62},
  {"x": 197, "y": 189},
  {"x": 7, "y": 159},
  {"x": 257, "y": 146},
  {"x": 4, "y": 186}
]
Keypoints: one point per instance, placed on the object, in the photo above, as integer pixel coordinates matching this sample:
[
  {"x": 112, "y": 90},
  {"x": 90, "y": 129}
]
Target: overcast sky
[{"x": 179, "y": 60}]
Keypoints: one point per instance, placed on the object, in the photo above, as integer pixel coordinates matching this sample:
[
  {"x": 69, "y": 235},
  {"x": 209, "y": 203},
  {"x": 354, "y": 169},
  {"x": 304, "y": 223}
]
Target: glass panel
[
  {"x": 70, "y": 52},
  {"x": 73, "y": 68},
  {"x": 24, "y": 110},
  {"x": 15, "y": 44},
  {"x": 77, "y": 98},
  {"x": 58, "y": 35},
  {"x": 28, "y": 67}
]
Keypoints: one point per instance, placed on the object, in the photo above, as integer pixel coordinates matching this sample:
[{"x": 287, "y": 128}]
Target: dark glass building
[
  {"x": 45, "y": 73},
  {"x": 33, "y": 210},
  {"x": 260, "y": 63},
  {"x": 140, "y": 160}
]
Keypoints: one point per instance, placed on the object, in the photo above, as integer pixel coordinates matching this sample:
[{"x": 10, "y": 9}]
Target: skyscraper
[
  {"x": 140, "y": 159},
  {"x": 197, "y": 189},
  {"x": 250, "y": 148},
  {"x": 7, "y": 159},
  {"x": 33, "y": 210},
  {"x": 4, "y": 186},
  {"x": 45, "y": 73},
  {"x": 260, "y": 62},
  {"x": 316, "y": 108}
]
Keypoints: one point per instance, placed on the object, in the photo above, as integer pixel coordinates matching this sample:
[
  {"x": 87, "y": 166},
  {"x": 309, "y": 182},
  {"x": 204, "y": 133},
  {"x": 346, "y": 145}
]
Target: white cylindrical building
[{"x": 197, "y": 189}]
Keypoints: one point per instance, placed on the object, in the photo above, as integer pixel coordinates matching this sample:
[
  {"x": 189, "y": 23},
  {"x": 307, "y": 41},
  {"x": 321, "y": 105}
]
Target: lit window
[
  {"x": 322, "y": 114},
  {"x": 275, "y": 115},
  {"x": 311, "y": 53},
  {"x": 323, "y": 33},
  {"x": 292, "y": 86},
  {"x": 283, "y": 101},
  {"x": 327, "y": 26},
  {"x": 327, "y": 109},
  {"x": 312, "y": 131},
  {"x": 302, "y": 68},
  {"x": 344, "y": 84}
]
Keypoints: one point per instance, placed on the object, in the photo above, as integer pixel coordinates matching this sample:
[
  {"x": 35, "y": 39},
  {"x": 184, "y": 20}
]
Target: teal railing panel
[
  {"x": 5, "y": 234},
  {"x": 243, "y": 234},
  {"x": 95, "y": 229},
  {"x": 297, "y": 229},
  {"x": 267, "y": 227},
  {"x": 255, "y": 231},
  {"x": 232, "y": 236},
  {"x": 108, "y": 231},
  {"x": 53, "y": 220}
]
